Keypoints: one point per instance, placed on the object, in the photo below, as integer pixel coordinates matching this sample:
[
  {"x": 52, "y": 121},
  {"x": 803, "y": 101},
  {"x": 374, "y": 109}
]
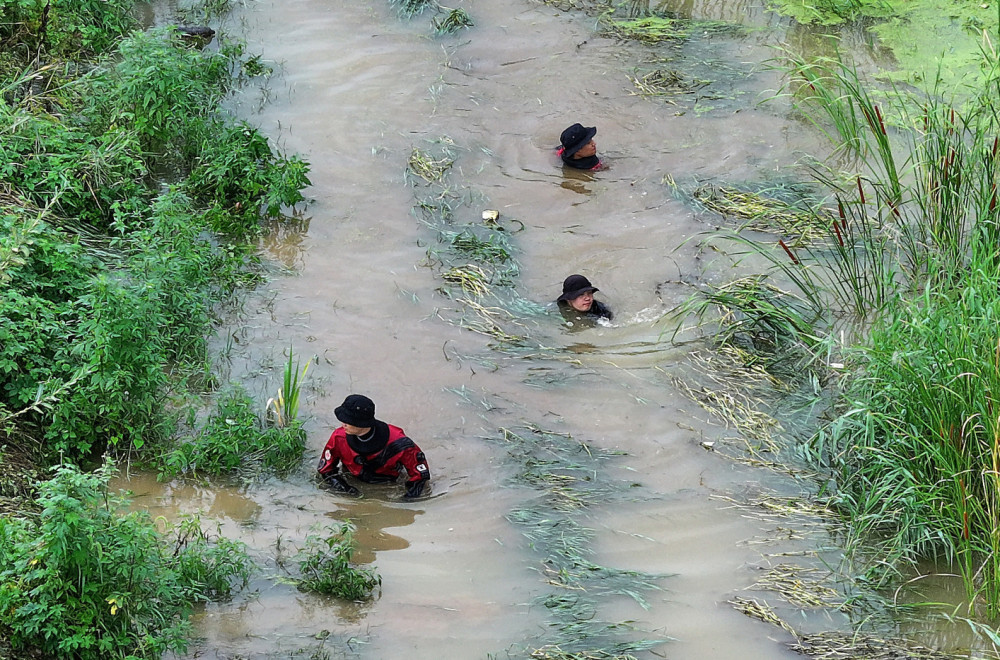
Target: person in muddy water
[
  {"x": 577, "y": 301},
  {"x": 370, "y": 450},
  {"x": 578, "y": 148}
]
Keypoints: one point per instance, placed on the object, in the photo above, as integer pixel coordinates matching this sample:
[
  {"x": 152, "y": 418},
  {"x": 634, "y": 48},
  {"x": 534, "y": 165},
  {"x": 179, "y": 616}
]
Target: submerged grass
[
  {"x": 457, "y": 19},
  {"x": 796, "y": 222},
  {"x": 648, "y": 29},
  {"x": 476, "y": 260},
  {"x": 570, "y": 477},
  {"x": 665, "y": 82}
]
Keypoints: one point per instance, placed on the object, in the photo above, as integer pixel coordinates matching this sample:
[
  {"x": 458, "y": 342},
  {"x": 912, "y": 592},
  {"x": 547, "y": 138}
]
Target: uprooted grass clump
[
  {"x": 648, "y": 30},
  {"x": 457, "y": 19},
  {"x": 665, "y": 82},
  {"x": 410, "y": 8},
  {"x": 427, "y": 167},
  {"x": 759, "y": 211}
]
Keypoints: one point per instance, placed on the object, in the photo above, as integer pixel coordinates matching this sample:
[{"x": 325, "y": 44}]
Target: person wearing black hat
[
  {"x": 371, "y": 450},
  {"x": 577, "y": 300},
  {"x": 578, "y": 147}
]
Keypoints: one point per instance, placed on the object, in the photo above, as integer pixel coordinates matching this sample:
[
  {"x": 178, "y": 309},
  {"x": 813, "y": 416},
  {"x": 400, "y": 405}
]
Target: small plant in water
[
  {"x": 409, "y": 8},
  {"x": 453, "y": 22},
  {"x": 325, "y": 563},
  {"x": 284, "y": 408},
  {"x": 235, "y": 440}
]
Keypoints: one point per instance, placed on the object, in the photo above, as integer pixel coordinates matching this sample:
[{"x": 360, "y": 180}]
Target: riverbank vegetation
[
  {"x": 894, "y": 310},
  {"x": 129, "y": 203},
  {"x": 117, "y": 168},
  {"x": 83, "y": 579}
]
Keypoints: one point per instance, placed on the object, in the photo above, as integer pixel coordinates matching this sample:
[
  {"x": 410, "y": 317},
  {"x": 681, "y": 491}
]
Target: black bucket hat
[
  {"x": 574, "y": 287},
  {"x": 356, "y": 410},
  {"x": 576, "y": 137}
]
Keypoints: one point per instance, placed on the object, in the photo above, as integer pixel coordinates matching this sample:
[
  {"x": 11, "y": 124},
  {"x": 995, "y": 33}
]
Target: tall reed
[
  {"x": 910, "y": 259},
  {"x": 914, "y": 255},
  {"x": 284, "y": 408}
]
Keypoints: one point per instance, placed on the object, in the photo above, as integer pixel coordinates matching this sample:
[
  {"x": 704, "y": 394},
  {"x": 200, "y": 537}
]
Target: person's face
[
  {"x": 583, "y": 302},
  {"x": 356, "y": 430},
  {"x": 587, "y": 150}
]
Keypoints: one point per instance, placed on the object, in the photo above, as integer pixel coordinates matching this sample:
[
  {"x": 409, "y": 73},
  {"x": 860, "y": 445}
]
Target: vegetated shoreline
[
  {"x": 129, "y": 207},
  {"x": 898, "y": 253}
]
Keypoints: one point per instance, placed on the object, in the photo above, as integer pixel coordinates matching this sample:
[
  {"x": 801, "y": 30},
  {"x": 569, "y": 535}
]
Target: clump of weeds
[
  {"x": 457, "y": 19},
  {"x": 427, "y": 167},
  {"x": 665, "y": 82},
  {"x": 326, "y": 568}
]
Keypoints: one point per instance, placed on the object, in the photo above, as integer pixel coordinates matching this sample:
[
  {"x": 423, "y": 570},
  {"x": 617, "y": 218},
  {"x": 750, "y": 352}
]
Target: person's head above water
[
  {"x": 578, "y": 147},
  {"x": 578, "y": 293},
  {"x": 357, "y": 413}
]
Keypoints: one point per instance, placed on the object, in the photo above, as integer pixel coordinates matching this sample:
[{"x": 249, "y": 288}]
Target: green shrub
[
  {"x": 85, "y": 581},
  {"x": 65, "y": 27},
  {"x": 325, "y": 563},
  {"x": 84, "y": 176},
  {"x": 159, "y": 89},
  {"x": 239, "y": 179},
  {"x": 236, "y": 440}
]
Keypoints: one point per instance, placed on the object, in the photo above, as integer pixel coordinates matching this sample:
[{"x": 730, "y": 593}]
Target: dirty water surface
[{"x": 473, "y": 570}]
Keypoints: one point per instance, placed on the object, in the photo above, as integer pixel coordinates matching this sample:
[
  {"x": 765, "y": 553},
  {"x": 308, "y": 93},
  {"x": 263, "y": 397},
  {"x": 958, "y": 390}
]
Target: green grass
[
  {"x": 457, "y": 19},
  {"x": 237, "y": 440},
  {"x": 908, "y": 264}
]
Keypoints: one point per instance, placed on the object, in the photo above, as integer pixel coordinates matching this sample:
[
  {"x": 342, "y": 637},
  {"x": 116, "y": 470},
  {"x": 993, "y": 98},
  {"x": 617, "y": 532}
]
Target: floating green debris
[
  {"x": 427, "y": 167},
  {"x": 660, "y": 82},
  {"x": 866, "y": 647},
  {"x": 799, "y": 585},
  {"x": 409, "y": 8},
  {"x": 456, "y": 20},
  {"x": 472, "y": 279},
  {"x": 766, "y": 214},
  {"x": 760, "y": 611},
  {"x": 648, "y": 30},
  {"x": 493, "y": 250}
]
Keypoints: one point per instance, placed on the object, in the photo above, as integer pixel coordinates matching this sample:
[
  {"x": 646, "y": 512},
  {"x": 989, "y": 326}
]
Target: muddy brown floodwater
[{"x": 356, "y": 90}]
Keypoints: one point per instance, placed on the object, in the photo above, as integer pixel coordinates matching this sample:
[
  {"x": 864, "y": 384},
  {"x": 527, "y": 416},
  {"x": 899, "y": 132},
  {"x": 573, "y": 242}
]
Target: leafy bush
[
  {"x": 239, "y": 178},
  {"x": 82, "y": 175},
  {"x": 65, "y": 27},
  {"x": 236, "y": 439},
  {"x": 159, "y": 89},
  {"x": 325, "y": 563},
  {"x": 85, "y": 581},
  {"x": 107, "y": 286}
]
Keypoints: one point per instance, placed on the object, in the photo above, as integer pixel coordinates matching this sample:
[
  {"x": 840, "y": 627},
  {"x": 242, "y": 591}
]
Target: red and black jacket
[{"x": 378, "y": 459}]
